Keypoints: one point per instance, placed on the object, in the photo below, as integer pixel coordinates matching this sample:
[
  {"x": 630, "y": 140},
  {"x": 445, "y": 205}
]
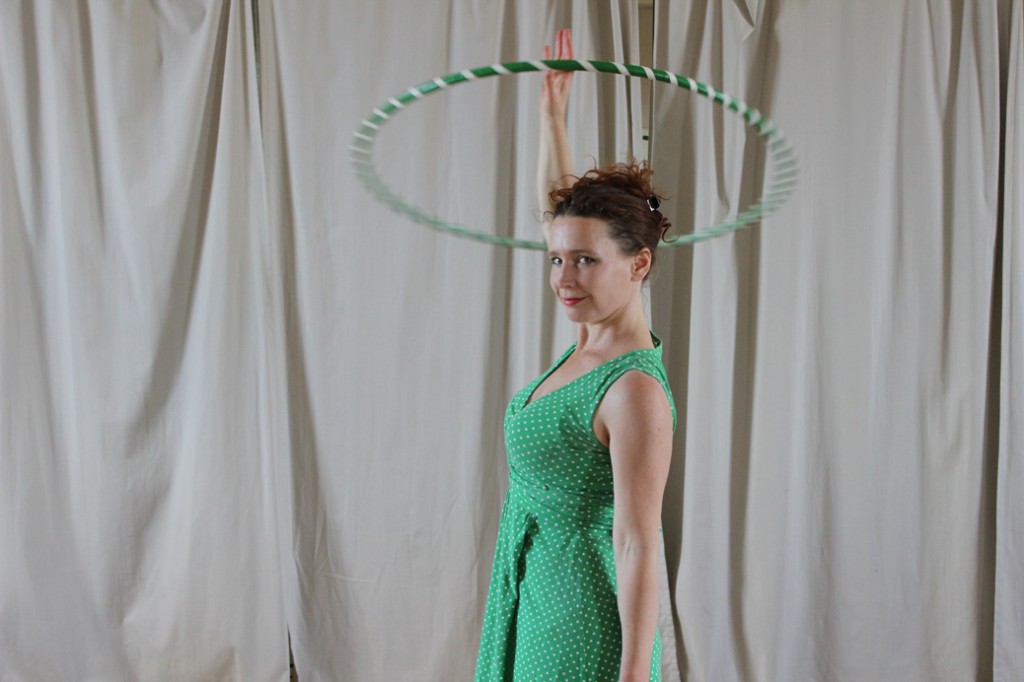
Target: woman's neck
[{"x": 627, "y": 327}]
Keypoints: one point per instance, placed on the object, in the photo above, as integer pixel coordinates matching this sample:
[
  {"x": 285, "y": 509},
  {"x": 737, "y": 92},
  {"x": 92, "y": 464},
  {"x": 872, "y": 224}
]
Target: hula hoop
[{"x": 783, "y": 158}]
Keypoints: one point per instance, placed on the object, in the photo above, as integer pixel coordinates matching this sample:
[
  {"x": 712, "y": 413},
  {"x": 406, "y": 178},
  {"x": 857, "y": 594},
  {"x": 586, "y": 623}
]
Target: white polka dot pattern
[{"x": 552, "y": 613}]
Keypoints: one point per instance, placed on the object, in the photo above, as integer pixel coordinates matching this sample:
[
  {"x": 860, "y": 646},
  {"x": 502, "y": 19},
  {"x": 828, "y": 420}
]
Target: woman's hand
[{"x": 554, "y": 93}]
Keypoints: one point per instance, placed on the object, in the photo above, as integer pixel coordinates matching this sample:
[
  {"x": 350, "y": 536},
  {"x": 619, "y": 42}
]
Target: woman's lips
[{"x": 571, "y": 301}]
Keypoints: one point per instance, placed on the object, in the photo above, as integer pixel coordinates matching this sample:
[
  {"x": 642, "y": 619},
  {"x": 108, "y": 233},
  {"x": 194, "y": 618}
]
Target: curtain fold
[
  {"x": 137, "y": 510},
  {"x": 1009, "y": 570},
  {"x": 830, "y": 520}
]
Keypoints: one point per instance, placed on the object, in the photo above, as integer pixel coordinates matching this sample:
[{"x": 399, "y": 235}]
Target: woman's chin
[{"x": 577, "y": 315}]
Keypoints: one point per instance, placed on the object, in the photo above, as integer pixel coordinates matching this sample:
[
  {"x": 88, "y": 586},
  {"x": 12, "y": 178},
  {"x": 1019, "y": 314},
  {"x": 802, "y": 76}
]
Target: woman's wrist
[{"x": 552, "y": 118}]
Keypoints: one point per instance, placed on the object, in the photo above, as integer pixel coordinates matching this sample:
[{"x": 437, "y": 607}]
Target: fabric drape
[
  {"x": 137, "y": 516},
  {"x": 833, "y": 518},
  {"x": 243, "y": 404},
  {"x": 1008, "y": 626}
]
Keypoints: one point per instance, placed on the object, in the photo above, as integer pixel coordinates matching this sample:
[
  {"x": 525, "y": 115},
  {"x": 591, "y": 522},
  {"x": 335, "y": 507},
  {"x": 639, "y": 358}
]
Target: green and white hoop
[{"x": 782, "y": 158}]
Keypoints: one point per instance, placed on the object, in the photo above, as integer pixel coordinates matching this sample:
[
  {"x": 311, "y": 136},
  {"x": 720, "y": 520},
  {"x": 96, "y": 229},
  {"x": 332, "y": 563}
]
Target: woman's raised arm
[{"x": 554, "y": 162}]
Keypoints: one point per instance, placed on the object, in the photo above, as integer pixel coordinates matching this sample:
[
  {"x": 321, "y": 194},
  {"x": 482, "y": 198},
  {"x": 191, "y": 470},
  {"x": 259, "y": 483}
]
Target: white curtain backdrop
[
  {"x": 241, "y": 402},
  {"x": 834, "y": 515},
  {"x": 137, "y": 517}
]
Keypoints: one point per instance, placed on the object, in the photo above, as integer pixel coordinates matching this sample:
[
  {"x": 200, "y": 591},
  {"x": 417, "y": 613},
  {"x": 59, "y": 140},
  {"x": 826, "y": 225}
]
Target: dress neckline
[{"x": 530, "y": 400}]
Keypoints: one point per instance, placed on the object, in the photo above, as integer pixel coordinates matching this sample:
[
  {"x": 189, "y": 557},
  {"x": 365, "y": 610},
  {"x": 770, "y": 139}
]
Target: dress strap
[{"x": 647, "y": 361}]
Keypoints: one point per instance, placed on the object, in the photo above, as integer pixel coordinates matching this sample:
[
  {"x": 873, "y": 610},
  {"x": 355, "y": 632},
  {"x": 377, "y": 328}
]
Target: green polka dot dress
[{"x": 552, "y": 613}]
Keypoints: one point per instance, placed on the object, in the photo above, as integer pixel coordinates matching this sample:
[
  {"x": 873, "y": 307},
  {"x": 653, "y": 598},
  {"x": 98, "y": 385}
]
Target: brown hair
[{"x": 622, "y": 196}]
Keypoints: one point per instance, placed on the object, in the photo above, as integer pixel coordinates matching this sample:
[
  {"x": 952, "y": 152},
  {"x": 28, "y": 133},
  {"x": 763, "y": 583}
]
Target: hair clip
[{"x": 653, "y": 203}]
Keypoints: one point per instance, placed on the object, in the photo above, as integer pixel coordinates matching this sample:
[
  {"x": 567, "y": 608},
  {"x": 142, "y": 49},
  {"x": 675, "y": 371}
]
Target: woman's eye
[
  {"x": 586, "y": 260},
  {"x": 555, "y": 260}
]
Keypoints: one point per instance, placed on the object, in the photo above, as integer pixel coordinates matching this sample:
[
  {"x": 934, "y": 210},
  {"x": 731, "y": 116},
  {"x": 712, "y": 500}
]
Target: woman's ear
[{"x": 641, "y": 265}]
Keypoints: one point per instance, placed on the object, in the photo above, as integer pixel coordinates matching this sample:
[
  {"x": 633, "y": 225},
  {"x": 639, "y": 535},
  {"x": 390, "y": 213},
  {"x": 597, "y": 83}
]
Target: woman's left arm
[{"x": 636, "y": 419}]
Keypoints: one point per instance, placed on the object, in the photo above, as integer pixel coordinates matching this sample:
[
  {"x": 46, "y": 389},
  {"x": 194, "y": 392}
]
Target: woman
[{"x": 574, "y": 587}]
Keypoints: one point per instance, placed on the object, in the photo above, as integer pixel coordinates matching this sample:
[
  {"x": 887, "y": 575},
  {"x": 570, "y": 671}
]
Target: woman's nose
[{"x": 566, "y": 275}]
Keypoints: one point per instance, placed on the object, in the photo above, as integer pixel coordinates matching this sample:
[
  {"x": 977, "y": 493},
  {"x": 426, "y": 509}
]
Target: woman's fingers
[{"x": 564, "y": 44}]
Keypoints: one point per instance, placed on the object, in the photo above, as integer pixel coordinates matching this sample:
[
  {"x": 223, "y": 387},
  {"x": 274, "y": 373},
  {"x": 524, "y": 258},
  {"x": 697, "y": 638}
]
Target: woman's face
[{"x": 592, "y": 277}]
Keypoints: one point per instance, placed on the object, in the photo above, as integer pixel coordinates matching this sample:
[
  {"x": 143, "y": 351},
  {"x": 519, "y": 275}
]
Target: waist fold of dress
[{"x": 589, "y": 510}]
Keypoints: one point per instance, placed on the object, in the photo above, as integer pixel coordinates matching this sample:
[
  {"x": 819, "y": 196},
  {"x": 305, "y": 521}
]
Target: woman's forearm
[
  {"x": 554, "y": 162},
  {"x": 636, "y": 567}
]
